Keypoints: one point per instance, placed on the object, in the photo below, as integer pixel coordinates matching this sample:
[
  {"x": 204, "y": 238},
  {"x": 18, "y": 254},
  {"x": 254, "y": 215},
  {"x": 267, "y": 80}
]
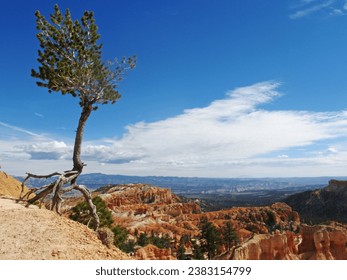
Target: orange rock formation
[
  {"x": 321, "y": 242},
  {"x": 324, "y": 242},
  {"x": 151, "y": 252},
  {"x": 268, "y": 232}
]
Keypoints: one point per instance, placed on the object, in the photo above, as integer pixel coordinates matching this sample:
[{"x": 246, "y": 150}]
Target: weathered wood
[
  {"x": 77, "y": 163},
  {"x": 88, "y": 198},
  {"x": 57, "y": 188}
]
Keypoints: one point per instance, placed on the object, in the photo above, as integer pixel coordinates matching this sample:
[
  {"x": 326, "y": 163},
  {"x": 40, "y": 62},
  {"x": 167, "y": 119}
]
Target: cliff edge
[{"x": 321, "y": 205}]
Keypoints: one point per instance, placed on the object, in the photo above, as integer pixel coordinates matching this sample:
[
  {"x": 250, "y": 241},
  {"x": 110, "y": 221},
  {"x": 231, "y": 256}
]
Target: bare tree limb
[
  {"x": 57, "y": 188},
  {"x": 87, "y": 196}
]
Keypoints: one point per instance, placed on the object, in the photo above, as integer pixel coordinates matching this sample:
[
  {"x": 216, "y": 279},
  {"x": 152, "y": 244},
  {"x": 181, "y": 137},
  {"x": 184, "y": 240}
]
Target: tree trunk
[
  {"x": 69, "y": 176},
  {"x": 77, "y": 163}
]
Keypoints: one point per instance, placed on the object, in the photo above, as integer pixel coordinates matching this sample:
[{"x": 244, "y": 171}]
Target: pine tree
[
  {"x": 180, "y": 252},
  {"x": 143, "y": 239},
  {"x": 120, "y": 236},
  {"x": 210, "y": 237},
  {"x": 229, "y": 235},
  {"x": 80, "y": 213},
  {"x": 70, "y": 62}
]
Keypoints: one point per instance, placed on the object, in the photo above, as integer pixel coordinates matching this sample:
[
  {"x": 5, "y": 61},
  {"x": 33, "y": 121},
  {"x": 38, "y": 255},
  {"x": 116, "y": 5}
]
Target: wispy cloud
[
  {"x": 19, "y": 129},
  {"x": 340, "y": 10},
  {"x": 39, "y": 115},
  {"x": 19, "y": 145},
  {"x": 324, "y": 8},
  {"x": 233, "y": 136},
  {"x": 307, "y": 7}
]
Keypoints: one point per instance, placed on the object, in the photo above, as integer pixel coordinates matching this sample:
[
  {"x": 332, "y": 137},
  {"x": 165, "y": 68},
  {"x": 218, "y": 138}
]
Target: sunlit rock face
[
  {"x": 273, "y": 232},
  {"x": 324, "y": 242},
  {"x": 277, "y": 246},
  {"x": 321, "y": 242}
]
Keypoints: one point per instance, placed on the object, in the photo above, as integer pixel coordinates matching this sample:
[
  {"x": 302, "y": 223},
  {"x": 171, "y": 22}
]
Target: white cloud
[
  {"x": 332, "y": 150},
  {"x": 228, "y": 133},
  {"x": 52, "y": 150},
  {"x": 230, "y": 137},
  {"x": 283, "y": 156}
]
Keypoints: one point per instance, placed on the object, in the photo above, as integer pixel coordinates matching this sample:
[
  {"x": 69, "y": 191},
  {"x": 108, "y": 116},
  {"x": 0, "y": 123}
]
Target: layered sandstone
[
  {"x": 277, "y": 246},
  {"x": 151, "y": 252},
  {"x": 267, "y": 233},
  {"x": 324, "y": 242},
  {"x": 147, "y": 208},
  {"x": 320, "y": 242},
  {"x": 132, "y": 194}
]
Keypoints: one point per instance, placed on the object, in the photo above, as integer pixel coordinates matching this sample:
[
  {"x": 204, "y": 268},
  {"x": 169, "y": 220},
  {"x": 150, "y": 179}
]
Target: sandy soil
[{"x": 39, "y": 234}]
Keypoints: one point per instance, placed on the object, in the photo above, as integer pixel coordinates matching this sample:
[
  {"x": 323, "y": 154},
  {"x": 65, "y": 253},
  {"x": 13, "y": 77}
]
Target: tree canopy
[
  {"x": 210, "y": 236},
  {"x": 71, "y": 60}
]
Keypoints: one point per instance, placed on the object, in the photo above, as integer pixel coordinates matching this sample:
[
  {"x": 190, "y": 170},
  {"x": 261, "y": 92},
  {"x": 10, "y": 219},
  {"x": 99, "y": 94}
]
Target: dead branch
[{"x": 88, "y": 198}]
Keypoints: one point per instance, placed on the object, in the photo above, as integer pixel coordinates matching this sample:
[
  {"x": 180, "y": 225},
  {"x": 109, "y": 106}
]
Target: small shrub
[{"x": 81, "y": 213}]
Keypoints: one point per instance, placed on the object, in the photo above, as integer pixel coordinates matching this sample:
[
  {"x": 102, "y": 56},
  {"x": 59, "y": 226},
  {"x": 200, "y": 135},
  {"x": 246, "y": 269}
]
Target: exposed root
[{"x": 57, "y": 189}]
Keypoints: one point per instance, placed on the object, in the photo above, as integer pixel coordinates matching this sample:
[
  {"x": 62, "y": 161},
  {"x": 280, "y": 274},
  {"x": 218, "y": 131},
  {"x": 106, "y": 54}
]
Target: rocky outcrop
[
  {"x": 145, "y": 208},
  {"x": 151, "y": 252},
  {"x": 324, "y": 242},
  {"x": 277, "y": 246},
  {"x": 257, "y": 220},
  {"x": 265, "y": 233},
  {"x": 321, "y": 242},
  {"x": 328, "y": 203},
  {"x": 132, "y": 194}
]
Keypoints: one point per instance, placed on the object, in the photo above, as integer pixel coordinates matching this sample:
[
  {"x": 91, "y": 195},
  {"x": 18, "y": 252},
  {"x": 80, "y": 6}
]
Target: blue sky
[{"x": 223, "y": 88}]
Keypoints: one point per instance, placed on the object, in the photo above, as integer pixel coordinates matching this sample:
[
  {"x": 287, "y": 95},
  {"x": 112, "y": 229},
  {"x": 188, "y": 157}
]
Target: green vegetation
[
  {"x": 81, "y": 213},
  {"x": 229, "y": 235},
  {"x": 162, "y": 242},
  {"x": 180, "y": 252},
  {"x": 143, "y": 239},
  {"x": 209, "y": 241},
  {"x": 270, "y": 220},
  {"x": 120, "y": 235},
  {"x": 210, "y": 237}
]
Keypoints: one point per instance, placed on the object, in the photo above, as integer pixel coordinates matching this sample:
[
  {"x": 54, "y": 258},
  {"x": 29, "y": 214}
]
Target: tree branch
[{"x": 88, "y": 198}]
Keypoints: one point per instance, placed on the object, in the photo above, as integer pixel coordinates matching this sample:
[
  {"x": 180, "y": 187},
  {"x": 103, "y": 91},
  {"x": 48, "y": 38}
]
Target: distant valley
[{"x": 214, "y": 193}]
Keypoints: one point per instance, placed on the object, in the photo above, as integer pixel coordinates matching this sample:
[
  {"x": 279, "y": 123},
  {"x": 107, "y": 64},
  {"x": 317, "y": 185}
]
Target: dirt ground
[{"x": 39, "y": 234}]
